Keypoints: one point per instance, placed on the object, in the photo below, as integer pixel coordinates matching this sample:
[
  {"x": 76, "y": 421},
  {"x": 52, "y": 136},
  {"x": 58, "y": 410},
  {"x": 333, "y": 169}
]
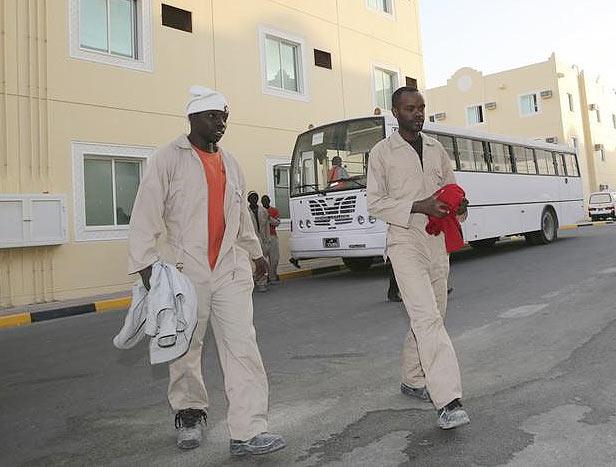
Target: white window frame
[
  {"x": 144, "y": 60},
  {"x": 483, "y": 113},
  {"x": 79, "y": 152},
  {"x": 270, "y": 163},
  {"x": 383, "y": 67},
  {"x": 389, "y": 15},
  {"x": 302, "y": 75},
  {"x": 539, "y": 106}
]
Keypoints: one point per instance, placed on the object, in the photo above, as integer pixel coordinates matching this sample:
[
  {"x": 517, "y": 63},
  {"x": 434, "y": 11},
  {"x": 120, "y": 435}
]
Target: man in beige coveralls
[
  {"x": 191, "y": 209},
  {"x": 404, "y": 172}
]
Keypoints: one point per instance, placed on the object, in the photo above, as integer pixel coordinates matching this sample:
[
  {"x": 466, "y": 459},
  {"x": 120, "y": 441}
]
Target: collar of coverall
[{"x": 398, "y": 141}]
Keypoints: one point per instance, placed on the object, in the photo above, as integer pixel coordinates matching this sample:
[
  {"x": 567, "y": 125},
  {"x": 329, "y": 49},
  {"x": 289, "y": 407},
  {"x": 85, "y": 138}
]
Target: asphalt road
[{"x": 534, "y": 328}]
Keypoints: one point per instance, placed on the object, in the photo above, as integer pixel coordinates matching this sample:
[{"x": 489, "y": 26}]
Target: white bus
[{"x": 515, "y": 187}]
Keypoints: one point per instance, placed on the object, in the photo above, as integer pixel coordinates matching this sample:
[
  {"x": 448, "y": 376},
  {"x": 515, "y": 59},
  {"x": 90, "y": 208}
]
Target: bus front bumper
[{"x": 337, "y": 244}]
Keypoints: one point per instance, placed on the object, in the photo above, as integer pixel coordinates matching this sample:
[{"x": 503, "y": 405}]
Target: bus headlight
[
  {"x": 361, "y": 219},
  {"x": 308, "y": 223},
  {"x": 371, "y": 219},
  {"x": 301, "y": 224}
]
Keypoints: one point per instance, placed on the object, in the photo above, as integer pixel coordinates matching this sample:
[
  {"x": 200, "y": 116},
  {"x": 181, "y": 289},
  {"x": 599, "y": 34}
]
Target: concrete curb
[{"x": 25, "y": 318}]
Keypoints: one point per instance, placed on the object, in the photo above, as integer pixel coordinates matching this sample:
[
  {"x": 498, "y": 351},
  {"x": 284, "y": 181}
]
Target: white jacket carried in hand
[{"x": 167, "y": 313}]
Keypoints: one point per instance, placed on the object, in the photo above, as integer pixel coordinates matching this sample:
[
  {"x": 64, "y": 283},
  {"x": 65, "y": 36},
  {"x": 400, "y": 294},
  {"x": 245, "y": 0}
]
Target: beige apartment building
[
  {"x": 552, "y": 101},
  {"x": 89, "y": 88}
]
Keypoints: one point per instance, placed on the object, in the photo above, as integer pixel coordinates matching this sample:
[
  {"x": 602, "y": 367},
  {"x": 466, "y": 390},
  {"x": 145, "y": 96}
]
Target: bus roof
[{"x": 466, "y": 133}]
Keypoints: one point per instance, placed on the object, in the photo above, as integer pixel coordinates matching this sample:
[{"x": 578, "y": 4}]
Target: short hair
[{"x": 395, "y": 97}]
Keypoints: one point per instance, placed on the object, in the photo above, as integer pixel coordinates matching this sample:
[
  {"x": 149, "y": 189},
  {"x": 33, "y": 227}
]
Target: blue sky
[{"x": 496, "y": 35}]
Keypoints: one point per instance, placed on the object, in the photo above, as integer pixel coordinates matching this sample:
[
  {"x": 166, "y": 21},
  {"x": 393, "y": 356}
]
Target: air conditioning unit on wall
[
  {"x": 552, "y": 139},
  {"x": 598, "y": 147},
  {"x": 546, "y": 94},
  {"x": 440, "y": 116},
  {"x": 490, "y": 105},
  {"x": 593, "y": 107}
]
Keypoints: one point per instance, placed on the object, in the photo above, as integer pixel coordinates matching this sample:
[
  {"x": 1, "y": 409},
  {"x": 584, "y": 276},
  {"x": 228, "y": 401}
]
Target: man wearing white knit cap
[{"x": 191, "y": 210}]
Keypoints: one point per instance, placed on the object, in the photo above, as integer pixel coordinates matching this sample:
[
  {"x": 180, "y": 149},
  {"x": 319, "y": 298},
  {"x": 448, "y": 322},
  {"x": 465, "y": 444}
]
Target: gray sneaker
[
  {"x": 417, "y": 393},
  {"x": 452, "y": 416},
  {"x": 189, "y": 425},
  {"x": 263, "y": 443}
]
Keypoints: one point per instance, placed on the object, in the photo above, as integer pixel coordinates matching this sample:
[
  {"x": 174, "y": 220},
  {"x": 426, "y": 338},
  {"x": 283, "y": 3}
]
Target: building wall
[
  {"x": 555, "y": 119},
  {"x": 49, "y": 101}
]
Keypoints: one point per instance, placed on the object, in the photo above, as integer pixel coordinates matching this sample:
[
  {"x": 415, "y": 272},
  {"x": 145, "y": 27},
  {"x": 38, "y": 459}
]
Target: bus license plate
[{"x": 333, "y": 242}]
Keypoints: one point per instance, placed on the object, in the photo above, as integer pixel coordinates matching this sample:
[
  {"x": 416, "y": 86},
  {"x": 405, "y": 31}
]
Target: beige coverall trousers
[
  {"x": 421, "y": 267},
  {"x": 273, "y": 257},
  {"x": 226, "y": 301}
]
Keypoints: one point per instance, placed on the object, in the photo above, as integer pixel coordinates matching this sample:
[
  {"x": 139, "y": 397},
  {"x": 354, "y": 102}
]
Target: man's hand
[
  {"x": 262, "y": 267},
  {"x": 431, "y": 206},
  {"x": 463, "y": 209},
  {"x": 145, "y": 277}
]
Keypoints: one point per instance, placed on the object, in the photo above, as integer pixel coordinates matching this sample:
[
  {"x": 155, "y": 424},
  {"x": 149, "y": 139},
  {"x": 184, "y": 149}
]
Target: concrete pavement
[{"x": 534, "y": 329}]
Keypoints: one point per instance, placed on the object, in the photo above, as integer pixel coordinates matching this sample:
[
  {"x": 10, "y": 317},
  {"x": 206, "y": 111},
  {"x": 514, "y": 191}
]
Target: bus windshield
[{"x": 334, "y": 157}]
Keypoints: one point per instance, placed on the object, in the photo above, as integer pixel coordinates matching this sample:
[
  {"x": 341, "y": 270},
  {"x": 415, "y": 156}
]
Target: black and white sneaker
[
  {"x": 417, "y": 393},
  {"x": 189, "y": 424},
  {"x": 452, "y": 416},
  {"x": 263, "y": 443}
]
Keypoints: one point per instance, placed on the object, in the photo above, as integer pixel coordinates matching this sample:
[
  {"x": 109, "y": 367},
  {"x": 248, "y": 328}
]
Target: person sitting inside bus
[{"x": 337, "y": 174}]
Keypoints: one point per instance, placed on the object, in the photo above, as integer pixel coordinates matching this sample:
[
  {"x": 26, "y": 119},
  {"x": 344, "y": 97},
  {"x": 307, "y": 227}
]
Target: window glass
[
  {"x": 501, "y": 161},
  {"x": 288, "y": 58},
  {"x": 600, "y": 198},
  {"x": 98, "y": 185},
  {"x": 529, "y": 104},
  {"x": 282, "y": 63},
  {"x": 126, "y": 182},
  {"x": 121, "y": 25},
  {"x": 281, "y": 189},
  {"x": 447, "y": 142},
  {"x": 381, "y": 5},
  {"x": 385, "y": 83},
  {"x": 545, "y": 162},
  {"x": 571, "y": 165},
  {"x": 272, "y": 61},
  {"x": 93, "y": 24},
  {"x": 560, "y": 163},
  {"x": 570, "y": 99},
  {"x": 471, "y": 155},
  {"x": 474, "y": 114},
  {"x": 524, "y": 160}
]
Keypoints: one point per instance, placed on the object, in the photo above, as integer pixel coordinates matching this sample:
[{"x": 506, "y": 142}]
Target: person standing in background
[
  {"x": 261, "y": 222},
  {"x": 273, "y": 256}
]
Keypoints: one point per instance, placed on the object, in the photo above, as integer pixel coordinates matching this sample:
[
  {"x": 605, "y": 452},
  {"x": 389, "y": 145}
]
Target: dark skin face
[
  {"x": 253, "y": 199},
  {"x": 410, "y": 112},
  {"x": 206, "y": 129},
  {"x": 265, "y": 201}
]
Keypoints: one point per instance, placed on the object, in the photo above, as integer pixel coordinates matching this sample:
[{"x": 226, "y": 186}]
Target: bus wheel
[
  {"x": 483, "y": 244},
  {"x": 358, "y": 264},
  {"x": 549, "y": 229}
]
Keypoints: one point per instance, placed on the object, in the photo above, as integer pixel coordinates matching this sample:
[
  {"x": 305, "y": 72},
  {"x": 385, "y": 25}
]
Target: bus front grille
[{"x": 333, "y": 210}]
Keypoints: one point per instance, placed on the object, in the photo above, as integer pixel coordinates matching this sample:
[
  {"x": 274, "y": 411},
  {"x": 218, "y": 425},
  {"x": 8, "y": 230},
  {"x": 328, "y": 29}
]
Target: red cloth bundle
[{"x": 452, "y": 195}]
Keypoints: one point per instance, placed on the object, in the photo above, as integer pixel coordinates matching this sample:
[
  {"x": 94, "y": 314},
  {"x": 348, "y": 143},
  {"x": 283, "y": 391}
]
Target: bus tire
[
  {"x": 549, "y": 229},
  {"x": 358, "y": 264},
  {"x": 483, "y": 244}
]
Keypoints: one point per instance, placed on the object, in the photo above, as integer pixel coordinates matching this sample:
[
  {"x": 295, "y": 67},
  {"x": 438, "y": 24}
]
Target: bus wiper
[{"x": 311, "y": 185}]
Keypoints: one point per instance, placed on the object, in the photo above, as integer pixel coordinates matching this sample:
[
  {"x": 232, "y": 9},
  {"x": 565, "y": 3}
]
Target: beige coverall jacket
[
  {"x": 396, "y": 180},
  {"x": 170, "y": 221}
]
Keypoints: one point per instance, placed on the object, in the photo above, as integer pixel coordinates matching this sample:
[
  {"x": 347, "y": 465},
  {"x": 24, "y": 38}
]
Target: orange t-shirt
[{"x": 216, "y": 182}]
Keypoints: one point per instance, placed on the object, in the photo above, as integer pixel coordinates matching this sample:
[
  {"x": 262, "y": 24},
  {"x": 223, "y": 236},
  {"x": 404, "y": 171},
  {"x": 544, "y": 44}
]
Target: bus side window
[
  {"x": 447, "y": 142},
  {"x": 571, "y": 165},
  {"x": 545, "y": 162},
  {"x": 472, "y": 156},
  {"x": 501, "y": 161},
  {"x": 560, "y": 164}
]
